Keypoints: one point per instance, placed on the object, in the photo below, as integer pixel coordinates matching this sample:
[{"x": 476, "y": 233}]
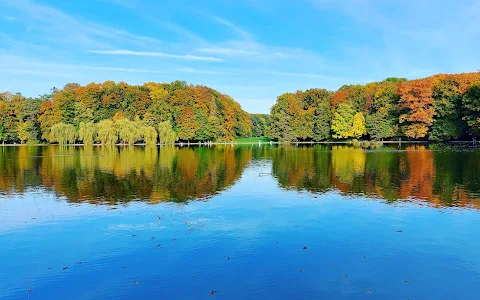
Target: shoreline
[{"x": 183, "y": 144}]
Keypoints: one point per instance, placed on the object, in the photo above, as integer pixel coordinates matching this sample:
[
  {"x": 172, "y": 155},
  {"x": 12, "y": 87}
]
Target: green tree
[
  {"x": 150, "y": 135},
  {"x": 166, "y": 134},
  {"x": 447, "y": 102},
  {"x": 128, "y": 131},
  {"x": 87, "y": 132},
  {"x": 3, "y": 135},
  {"x": 471, "y": 106},
  {"x": 320, "y": 99},
  {"x": 380, "y": 126},
  {"x": 64, "y": 133},
  {"x": 107, "y": 132}
]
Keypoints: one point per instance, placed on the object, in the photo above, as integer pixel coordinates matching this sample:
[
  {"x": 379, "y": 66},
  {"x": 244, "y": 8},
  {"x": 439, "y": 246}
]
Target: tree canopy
[{"x": 438, "y": 108}]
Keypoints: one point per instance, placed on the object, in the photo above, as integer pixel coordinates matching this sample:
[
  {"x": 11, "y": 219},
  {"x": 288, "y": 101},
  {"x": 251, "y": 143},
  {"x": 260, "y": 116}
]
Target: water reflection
[
  {"x": 118, "y": 174},
  {"x": 442, "y": 177}
]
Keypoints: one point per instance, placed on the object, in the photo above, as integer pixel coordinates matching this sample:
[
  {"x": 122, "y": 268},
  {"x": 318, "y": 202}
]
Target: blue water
[{"x": 253, "y": 240}]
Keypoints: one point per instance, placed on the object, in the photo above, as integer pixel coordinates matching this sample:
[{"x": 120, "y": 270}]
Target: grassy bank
[{"x": 263, "y": 139}]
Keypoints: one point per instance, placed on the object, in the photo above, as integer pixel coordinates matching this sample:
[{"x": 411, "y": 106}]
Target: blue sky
[{"x": 251, "y": 50}]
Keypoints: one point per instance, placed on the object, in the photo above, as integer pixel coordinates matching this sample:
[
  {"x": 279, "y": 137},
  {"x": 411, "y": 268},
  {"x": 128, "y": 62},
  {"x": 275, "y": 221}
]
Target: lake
[{"x": 238, "y": 222}]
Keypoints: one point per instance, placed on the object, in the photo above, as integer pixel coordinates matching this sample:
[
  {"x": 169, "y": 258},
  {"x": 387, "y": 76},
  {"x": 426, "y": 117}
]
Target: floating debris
[
  {"x": 123, "y": 267},
  {"x": 65, "y": 268},
  {"x": 153, "y": 238},
  {"x": 304, "y": 247},
  {"x": 368, "y": 291},
  {"x": 344, "y": 276},
  {"x": 134, "y": 235},
  {"x": 136, "y": 282},
  {"x": 79, "y": 262},
  {"x": 400, "y": 230},
  {"x": 228, "y": 257},
  {"x": 301, "y": 270},
  {"x": 158, "y": 246},
  {"x": 213, "y": 292},
  {"x": 407, "y": 281},
  {"x": 364, "y": 256}
]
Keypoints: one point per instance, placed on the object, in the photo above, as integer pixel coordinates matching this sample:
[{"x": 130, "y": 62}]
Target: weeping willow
[
  {"x": 150, "y": 135},
  {"x": 107, "y": 132},
  {"x": 128, "y": 131},
  {"x": 166, "y": 133},
  {"x": 87, "y": 132},
  {"x": 64, "y": 133}
]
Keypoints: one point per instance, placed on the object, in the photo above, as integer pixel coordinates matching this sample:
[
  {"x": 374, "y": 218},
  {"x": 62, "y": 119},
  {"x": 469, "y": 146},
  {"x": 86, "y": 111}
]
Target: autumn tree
[
  {"x": 358, "y": 126},
  {"x": 27, "y": 131},
  {"x": 417, "y": 110},
  {"x": 342, "y": 122}
]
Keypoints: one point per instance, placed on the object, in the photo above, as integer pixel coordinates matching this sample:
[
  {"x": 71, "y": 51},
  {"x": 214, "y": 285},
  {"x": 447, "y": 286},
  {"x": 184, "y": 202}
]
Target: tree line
[
  {"x": 438, "y": 108},
  {"x": 110, "y": 113}
]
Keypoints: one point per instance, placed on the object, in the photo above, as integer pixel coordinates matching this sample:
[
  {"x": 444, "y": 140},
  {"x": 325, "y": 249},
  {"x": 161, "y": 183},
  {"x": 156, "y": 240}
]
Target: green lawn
[{"x": 263, "y": 139}]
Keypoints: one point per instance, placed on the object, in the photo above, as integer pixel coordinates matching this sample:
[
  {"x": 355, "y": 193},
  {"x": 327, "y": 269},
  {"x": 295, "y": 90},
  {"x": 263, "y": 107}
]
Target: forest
[
  {"x": 110, "y": 113},
  {"x": 438, "y": 108}
]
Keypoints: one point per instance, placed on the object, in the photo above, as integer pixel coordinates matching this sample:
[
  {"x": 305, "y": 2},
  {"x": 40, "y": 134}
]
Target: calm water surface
[{"x": 238, "y": 222}]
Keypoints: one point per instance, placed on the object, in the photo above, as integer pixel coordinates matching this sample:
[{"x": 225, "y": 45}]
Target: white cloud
[
  {"x": 36, "y": 72},
  {"x": 156, "y": 54},
  {"x": 56, "y": 26},
  {"x": 9, "y": 18},
  {"x": 226, "y": 51},
  {"x": 192, "y": 70},
  {"x": 242, "y": 33}
]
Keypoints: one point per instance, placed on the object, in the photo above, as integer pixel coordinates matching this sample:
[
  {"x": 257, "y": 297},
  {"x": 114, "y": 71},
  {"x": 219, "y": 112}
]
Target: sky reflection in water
[{"x": 122, "y": 223}]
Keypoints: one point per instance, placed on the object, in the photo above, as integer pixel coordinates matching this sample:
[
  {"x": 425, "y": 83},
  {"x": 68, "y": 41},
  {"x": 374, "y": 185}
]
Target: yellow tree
[{"x": 358, "y": 128}]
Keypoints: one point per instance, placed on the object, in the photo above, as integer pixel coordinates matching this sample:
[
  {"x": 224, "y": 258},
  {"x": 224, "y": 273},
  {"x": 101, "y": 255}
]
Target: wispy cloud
[
  {"x": 208, "y": 72},
  {"x": 9, "y": 18},
  {"x": 242, "y": 33},
  {"x": 226, "y": 51},
  {"x": 37, "y": 72},
  {"x": 156, "y": 54},
  {"x": 56, "y": 26}
]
